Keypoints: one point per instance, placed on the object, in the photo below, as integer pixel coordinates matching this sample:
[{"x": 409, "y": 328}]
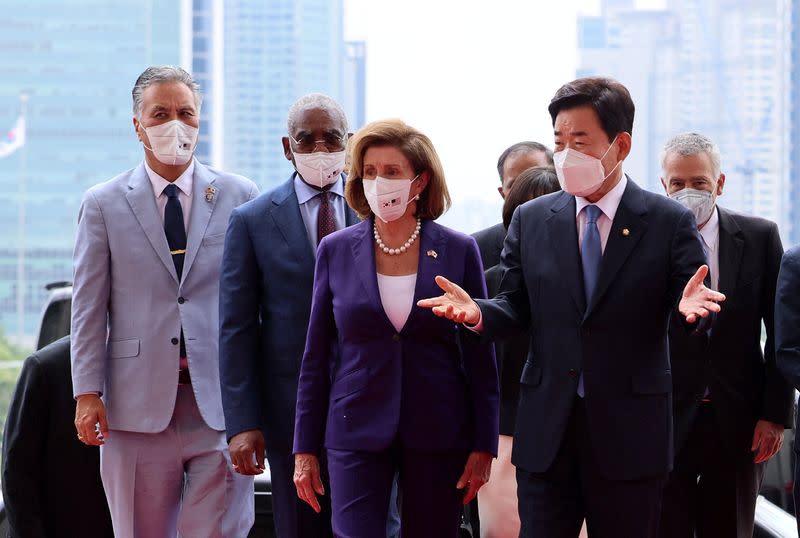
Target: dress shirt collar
[
  {"x": 184, "y": 181},
  {"x": 609, "y": 203},
  {"x": 710, "y": 232},
  {"x": 306, "y": 192}
]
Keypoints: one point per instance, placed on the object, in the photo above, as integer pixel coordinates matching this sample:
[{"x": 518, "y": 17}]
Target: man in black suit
[
  {"x": 512, "y": 162},
  {"x": 51, "y": 481},
  {"x": 594, "y": 273},
  {"x": 730, "y": 402}
]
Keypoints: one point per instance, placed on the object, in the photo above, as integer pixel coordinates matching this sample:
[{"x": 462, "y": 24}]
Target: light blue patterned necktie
[{"x": 591, "y": 255}]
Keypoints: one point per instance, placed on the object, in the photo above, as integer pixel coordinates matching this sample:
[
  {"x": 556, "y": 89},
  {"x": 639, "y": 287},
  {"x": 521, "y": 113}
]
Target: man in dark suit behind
[
  {"x": 51, "y": 481},
  {"x": 512, "y": 162},
  {"x": 730, "y": 402},
  {"x": 787, "y": 341},
  {"x": 594, "y": 273}
]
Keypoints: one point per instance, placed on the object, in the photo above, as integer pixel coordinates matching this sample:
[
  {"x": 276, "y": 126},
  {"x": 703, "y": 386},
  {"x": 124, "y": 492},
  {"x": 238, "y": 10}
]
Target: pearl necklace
[{"x": 402, "y": 249}]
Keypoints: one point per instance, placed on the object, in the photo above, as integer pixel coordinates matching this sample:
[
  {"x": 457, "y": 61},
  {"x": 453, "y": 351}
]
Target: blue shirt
[{"x": 309, "y": 200}]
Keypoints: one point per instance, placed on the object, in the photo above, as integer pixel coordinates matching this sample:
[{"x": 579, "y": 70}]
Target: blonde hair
[{"x": 419, "y": 151}]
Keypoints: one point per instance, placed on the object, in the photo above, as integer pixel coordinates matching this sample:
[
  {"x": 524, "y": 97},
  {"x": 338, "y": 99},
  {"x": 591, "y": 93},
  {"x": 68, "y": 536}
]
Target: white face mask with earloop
[
  {"x": 321, "y": 168},
  {"x": 172, "y": 142},
  {"x": 388, "y": 198},
  {"x": 700, "y": 203},
  {"x": 580, "y": 174}
]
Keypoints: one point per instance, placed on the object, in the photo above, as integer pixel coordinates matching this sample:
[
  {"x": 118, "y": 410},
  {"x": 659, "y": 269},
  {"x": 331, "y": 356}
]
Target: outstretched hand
[
  {"x": 698, "y": 301},
  {"x": 455, "y": 304}
]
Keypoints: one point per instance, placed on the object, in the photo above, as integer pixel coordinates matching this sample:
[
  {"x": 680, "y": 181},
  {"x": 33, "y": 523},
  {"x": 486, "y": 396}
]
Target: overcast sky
[{"x": 475, "y": 76}]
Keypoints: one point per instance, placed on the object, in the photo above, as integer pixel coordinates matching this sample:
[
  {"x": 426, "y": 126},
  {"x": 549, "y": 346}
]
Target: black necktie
[
  {"x": 173, "y": 227},
  {"x": 176, "y": 237}
]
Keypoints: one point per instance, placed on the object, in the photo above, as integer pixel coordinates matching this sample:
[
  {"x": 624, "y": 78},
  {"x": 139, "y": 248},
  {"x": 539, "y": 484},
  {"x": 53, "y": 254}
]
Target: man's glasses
[{"x": 307, "y": 143}]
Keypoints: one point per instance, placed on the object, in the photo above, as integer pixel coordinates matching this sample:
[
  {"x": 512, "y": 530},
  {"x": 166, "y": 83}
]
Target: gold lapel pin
[
  {"x": 626, "y": 232},
  {"x": 432, "y": 254},
  {"x": 210, "y": 192}
]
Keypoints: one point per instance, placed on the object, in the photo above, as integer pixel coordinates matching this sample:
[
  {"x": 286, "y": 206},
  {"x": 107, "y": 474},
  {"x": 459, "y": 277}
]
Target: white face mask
[
  {"x": 388, "y": 198},
  {"x": 700, "y": 203},
  {"x": 319, "y": 169},
  {"x": 580, "y": 174},
  {"x": 173, "y": 142}
]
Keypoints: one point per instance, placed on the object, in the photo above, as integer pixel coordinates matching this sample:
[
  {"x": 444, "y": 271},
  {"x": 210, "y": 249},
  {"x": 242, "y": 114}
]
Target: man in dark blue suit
[
  {"x": 594, "y": 272},
  {"x": 265, "y": 303},
  {"x": 787, "y": 339}
]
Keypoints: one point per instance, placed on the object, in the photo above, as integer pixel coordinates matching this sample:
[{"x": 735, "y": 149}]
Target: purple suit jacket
[{"x": 362, "y": 385}]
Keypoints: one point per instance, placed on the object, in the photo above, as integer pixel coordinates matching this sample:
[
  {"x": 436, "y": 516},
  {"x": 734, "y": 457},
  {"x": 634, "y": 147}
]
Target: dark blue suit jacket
[
  {"x": 362, "y": 386},
  {"x": 619, "y": 341},
  {"x": 265, "y": 300},
  {"x": 787, "y": 320}
]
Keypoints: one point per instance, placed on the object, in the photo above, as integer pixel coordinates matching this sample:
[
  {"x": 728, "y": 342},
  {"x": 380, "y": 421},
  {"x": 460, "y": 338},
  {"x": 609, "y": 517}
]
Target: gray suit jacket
[{"x": 128, "y": 305}]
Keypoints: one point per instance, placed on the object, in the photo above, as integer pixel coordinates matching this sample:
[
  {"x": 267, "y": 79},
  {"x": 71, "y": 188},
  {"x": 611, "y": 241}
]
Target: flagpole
[{"x": 23, "y": 193}]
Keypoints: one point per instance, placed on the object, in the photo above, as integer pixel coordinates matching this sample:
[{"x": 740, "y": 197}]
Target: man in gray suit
[{"x": 144, "y": 327}]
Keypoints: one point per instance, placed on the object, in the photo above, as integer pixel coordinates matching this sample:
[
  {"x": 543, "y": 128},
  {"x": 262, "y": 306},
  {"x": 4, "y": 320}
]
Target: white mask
[
  {"x": 388, "y": 198},
  {"x": 173, "y": 142},
  {"x": 321, "y": 168},
  {"x": 580, "y": 174},
  {"x": 700, "y": 203}
]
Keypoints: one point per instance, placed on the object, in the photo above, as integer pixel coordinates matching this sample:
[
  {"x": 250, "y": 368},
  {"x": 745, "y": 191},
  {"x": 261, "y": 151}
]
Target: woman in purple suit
[{"x": 387, "y": 387}]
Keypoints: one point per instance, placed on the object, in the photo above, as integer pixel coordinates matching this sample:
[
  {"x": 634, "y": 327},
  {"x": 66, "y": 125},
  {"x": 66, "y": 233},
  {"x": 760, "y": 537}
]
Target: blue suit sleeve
[
  {"x": 787, "y": 317},
  {"x": 239, "y": 350},
  {"x": 313, "y": 389},
  {"x": 778, "y": 394},
  {"x": 479, "y": 363}
]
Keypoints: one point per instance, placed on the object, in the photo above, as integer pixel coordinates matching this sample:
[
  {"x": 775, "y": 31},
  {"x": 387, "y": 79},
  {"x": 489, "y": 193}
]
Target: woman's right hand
[{"x": 307, "y": 479}]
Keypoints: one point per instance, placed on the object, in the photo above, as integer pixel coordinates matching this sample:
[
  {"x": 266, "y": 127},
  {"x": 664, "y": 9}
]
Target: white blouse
[{"x": 397, "y": 297}]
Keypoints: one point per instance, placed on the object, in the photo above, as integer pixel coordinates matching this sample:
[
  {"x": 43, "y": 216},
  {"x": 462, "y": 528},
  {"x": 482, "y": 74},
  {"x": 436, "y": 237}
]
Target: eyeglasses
[{"x": 307, "y": 144}]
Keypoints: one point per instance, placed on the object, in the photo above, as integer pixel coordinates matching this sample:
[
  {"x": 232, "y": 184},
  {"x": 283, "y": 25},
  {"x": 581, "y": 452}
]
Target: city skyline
[{"x": 77, "y": 65}]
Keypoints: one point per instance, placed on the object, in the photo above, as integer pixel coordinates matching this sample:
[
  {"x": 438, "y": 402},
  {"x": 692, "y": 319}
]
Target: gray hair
[
  {"x": 312, "y": 101},
  {"x": 692, "y": 144},
  {"x": 160, "y": 74}
]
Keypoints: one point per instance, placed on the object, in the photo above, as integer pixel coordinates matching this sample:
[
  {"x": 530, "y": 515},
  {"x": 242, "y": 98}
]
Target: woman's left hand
[{"x": 476, "y": 474}]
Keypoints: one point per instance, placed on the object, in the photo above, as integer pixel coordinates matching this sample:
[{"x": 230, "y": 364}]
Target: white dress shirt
[
  {"x": 608, "y": 205},
  {"x": 184, "y": 184},
  {"x": 709, "y": 233}
]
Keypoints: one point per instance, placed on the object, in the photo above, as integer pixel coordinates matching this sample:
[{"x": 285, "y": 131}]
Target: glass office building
[
  {"x": 76, "y": 60},
  {"x": 275, "y": 52},
  {"x": 682, "y": 78}
]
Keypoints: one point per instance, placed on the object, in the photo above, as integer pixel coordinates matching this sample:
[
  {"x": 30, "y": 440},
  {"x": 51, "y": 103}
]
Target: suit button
[
  {"x": 181, "y": 300},
  {"x": 573, "y": 373},
  {"x": 174, "y": 341},
  {"x": 396, "y": 337}
]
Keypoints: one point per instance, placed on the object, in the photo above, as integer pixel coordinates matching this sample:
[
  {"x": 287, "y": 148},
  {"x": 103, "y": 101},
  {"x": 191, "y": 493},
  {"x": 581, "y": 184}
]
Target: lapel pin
[
  {"x": 626, "y": 232},
  {"x": 432, "y": 254},
  {"x": 210, "y": 192}
]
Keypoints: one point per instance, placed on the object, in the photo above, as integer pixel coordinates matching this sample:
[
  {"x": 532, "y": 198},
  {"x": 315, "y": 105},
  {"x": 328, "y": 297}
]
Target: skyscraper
[
  {"x": 77, "y": 61},
  {"x": 275, "y": 52},
  {"x": 792, "y": 15},
  {"x": 355, "y": 83},
  {"x": 711, "y": 66}
]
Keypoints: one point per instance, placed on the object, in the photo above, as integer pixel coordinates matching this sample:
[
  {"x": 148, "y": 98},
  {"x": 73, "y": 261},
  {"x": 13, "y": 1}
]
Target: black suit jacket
[
  {"x": 744, "y": 383},
  {"x": 618, "y": 340},
  {"x": 511, "y": 353},
  {"x": 51, "y": 481},
  {"x": 490, "y": 243}
]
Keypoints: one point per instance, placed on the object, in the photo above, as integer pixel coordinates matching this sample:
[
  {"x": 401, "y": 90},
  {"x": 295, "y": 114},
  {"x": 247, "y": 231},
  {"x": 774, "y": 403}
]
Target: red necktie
[{"x": 326, "y": 220}]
